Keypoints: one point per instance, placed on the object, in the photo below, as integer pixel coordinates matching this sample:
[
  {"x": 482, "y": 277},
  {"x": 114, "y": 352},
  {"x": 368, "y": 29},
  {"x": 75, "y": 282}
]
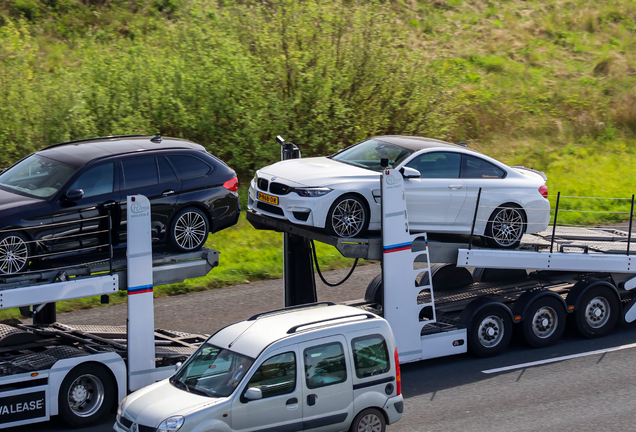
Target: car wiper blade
[{"x": 197, "y": 391}]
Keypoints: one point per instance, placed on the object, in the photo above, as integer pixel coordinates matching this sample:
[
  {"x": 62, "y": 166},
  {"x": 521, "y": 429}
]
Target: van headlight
[
  {"x": 171, "y": 424},
  {"x": 312, "y": 192},
  {"x": 120, "y": 409}
]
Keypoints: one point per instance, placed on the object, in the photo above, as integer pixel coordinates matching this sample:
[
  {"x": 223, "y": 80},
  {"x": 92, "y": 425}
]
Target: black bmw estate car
[{"x": 67, "y": 198}]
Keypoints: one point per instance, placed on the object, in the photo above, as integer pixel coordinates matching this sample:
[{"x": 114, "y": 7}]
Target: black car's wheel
[
  {"x": 369, "y": 420},
  {"x": 598, "y": 312},
  {"x": 544, "y": 323},
  {"x": 189, "y": 230},
  {"x": 347, "y": 217},
  {"x": 490, "y": 332},
  {"x": 14, "y": 253},
  {"x": 505, "y": 227},
  {"x": 86, "y": 395}
]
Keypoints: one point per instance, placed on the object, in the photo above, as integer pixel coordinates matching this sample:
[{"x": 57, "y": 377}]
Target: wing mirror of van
[
  {"x": 253, "y": 393},
  {"x": 408, "y": 173}
]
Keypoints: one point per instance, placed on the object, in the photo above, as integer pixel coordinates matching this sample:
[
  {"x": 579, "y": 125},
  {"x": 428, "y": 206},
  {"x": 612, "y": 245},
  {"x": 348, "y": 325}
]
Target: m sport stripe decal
[
  {"x": 398, "y": 247},
  {"x": 140, "y": 289}
]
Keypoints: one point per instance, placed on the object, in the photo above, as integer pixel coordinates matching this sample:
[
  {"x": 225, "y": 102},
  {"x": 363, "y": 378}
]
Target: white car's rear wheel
[
  {"x": 505, "y": 227},
  {"x": 347, "y": 217}
]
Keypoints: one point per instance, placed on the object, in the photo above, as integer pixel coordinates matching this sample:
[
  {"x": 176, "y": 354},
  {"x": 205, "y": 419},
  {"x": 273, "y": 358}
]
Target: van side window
[
  {"x": 276, "y": 376},
  {"x": 370, "y": 355},
  {"x": 325, "y": 365}
]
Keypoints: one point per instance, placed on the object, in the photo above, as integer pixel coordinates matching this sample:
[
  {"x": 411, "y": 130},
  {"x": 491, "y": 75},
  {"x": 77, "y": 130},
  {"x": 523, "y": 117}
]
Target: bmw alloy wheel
[
  {"x": 14, "y": 254},
  {"x": 190, "y": 230},
  {"x": 348, "y": 217}
]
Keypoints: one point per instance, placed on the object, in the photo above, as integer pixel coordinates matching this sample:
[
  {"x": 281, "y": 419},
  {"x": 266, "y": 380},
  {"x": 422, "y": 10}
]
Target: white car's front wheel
[{"x": 347, "y": 217}]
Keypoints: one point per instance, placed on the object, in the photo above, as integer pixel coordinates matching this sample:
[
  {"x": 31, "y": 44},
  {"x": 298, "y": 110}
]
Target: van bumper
[{"x": 393, "y": 408}]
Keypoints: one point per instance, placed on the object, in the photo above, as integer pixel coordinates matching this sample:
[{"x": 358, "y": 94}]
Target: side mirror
[
  {"x": 178, "y": 366},
  {"x": 408, "y": 173},
  {"x": 74, "y": 195},
  {"x": 253, "y": 394}
]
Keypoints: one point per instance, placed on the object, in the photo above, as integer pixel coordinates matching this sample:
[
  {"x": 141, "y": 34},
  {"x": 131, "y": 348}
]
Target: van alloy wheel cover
[{"x": 370, "y": 423}]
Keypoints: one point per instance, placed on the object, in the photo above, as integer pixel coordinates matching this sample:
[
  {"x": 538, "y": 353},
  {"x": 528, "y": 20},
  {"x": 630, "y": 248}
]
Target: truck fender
[
  {"x": 573, "y": 299},
  {"x": 474, "y": 307},
  {"x": 524, "y": 301}
]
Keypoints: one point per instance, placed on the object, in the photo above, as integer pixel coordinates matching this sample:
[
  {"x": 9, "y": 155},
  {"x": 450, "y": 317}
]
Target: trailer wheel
[
  {"x": 86, "y": 395},
  {"x": 369, "y": 420},
  {"x": 544, "y": 323},
  {"x": 490, "y": 332},
  {"x": 597, "y": 313}
]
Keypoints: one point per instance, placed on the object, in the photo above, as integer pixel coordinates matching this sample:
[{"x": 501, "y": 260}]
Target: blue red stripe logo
[
  {"x": 398, "y": 247},
  {"x": 140, "y": 289}
]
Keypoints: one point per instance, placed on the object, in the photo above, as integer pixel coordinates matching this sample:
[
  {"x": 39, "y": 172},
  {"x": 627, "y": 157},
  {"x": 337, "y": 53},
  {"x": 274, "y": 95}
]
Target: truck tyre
[
  {"x": 544, "y": 322},
  {"x": 490, "y": 332},
  {"x": 598, "y": 312},
  {"x": 86, "y": 395},
  {"x": 369, "y": 420}
]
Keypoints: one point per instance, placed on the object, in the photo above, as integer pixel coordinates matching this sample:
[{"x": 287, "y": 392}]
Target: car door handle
[
  {"x": 455, "y": 187},
  {"x": 109, "y": 204},
  {"x": 311, "y": 399},
  {"x": 167, "y": 192},
  {"x": 292, "y": 401}
]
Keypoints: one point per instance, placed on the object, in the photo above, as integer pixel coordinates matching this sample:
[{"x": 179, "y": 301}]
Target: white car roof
[{"x": 252, "y": 336}]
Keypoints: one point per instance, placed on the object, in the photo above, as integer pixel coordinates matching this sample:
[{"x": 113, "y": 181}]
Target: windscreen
[
  {"x": 36, "y": 176},
  {"x": 368, "y": 154},
  {"x": 212, "y": 371}
]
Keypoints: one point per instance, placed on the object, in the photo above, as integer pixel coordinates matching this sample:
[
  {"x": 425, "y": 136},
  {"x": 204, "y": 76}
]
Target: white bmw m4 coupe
[{"x": 341, "y": 193}]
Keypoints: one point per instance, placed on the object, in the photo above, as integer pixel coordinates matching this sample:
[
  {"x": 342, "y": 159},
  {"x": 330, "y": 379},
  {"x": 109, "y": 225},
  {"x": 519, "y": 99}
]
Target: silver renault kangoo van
[{"x": 319, "y": 367}]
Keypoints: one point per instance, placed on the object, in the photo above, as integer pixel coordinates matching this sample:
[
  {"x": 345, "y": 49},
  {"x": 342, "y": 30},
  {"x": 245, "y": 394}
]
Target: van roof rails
[
  {"x": 295, "y": 328},
  {"x": 290, "y": 309}
]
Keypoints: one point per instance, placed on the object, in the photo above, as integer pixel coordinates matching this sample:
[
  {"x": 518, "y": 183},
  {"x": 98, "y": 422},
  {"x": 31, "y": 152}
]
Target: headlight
[
  {"x": 312, "y": 192},
  {"x": 171, "y": 424},
  {"x": 120, "y": 408},
  {"x": 255, "y": 179}
]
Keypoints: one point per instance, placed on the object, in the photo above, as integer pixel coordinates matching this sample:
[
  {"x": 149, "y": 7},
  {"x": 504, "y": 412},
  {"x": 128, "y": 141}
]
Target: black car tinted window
[
  {"x": 437, "y": 165},
  {"x": 96, "y": 181},
  {"x": 189, "y": 166},
  {"x": 140, "y": 172},
  {"x": 473, "y": 167},
  {"x": 166, "y": 174}
]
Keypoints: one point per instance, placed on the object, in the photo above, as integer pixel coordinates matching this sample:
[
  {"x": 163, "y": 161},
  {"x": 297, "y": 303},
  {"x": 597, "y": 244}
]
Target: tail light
[
  {"x": 398, "y": 376},
  {"x": 543, "y": 190},
  {"x": 231, "y": 185}
]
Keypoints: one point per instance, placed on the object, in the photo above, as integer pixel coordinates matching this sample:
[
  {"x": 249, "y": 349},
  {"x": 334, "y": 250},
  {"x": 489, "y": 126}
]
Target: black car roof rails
[
  {"x": 290, "y": 309},
  {"x": 94, "y": 139}
]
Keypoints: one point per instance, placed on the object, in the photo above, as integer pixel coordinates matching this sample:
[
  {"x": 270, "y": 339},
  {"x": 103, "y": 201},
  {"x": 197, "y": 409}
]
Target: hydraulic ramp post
[{"x": 298, "y": 268}]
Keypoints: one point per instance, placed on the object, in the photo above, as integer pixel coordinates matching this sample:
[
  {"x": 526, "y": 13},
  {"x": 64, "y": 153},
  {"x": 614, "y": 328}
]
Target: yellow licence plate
[{"x": 268, "y": 198}]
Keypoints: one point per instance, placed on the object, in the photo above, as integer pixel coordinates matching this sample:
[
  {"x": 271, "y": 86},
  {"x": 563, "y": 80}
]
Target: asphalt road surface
[{"x": 577, "y": 385}]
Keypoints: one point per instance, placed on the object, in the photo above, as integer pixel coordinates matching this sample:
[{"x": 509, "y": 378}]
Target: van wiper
[{"x": 179, "y": 384}]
